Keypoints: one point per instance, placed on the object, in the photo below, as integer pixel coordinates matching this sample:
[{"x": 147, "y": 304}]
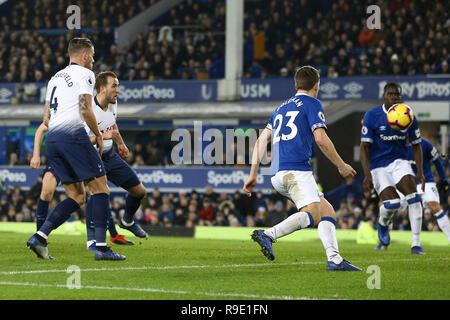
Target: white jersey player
[
  {"x": 104, "y": 106},
  {"x": 70, "y": 152}
]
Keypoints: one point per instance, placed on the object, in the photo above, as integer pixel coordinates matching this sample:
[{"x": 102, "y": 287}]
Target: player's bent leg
[
  {"x": 100, "y": 212},
  {"x": 327, "y": 233},
  {"x": 407, "y": 186},
  {"x": 441, "y": 217},
  {"x": 59, "y": 215},
  {"x": 49, "y": 184},
  {"x": 387, "y": 211},
  {"x": 305, "y": 218},
  {"x": 132, "y": 203},
  {"x": 391, "y": 204},
  {"x": 97, "y": 185}
]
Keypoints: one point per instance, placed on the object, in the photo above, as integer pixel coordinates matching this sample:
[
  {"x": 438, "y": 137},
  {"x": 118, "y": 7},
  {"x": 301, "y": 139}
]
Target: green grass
[{"x": 188, "y": 268}]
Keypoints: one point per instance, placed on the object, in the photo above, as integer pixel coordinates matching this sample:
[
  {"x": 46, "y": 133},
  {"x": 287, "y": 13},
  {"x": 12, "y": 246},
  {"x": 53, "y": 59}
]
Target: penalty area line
[
  {"x": 230, "y": 266},
  {"x": 164, "y": 291}
]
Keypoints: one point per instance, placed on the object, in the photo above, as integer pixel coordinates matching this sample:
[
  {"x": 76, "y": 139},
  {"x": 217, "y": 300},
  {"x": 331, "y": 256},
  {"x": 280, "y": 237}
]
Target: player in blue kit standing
[
  {"x": 68, "y": 106},
  {"x": 117, "y": 170},
  {"x": 293, "y": 128},
  {"x": 430, "y": 197},
  {"x": 384, "y": 157}
]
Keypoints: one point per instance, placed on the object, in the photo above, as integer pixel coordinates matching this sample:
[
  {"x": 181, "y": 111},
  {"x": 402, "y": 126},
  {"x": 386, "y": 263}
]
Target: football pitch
[{"x": 181, "y": 268}]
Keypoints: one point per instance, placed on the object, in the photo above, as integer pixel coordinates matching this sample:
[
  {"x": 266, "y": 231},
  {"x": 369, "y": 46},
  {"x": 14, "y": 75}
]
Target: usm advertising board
[{"x": 414, "y": 88}]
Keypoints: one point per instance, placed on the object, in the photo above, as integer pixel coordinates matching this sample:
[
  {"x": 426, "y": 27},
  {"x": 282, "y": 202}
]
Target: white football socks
[
  {"x": 387, "y": 210},
  {"x": 327, "y": 233},
  {"x": 443, "y": 222},
  {"x": 415, "y": 219},
  {"x": 294, "y": 222}
]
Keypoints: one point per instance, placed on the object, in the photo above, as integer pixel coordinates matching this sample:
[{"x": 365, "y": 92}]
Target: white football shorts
[
  {"x": 299, "y": 186},
  {"x": 391, "y": 175},
  {"x": 431, "y": 193}
]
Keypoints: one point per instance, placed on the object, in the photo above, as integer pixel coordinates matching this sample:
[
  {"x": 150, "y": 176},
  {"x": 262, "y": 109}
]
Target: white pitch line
[
  {"x": 208, "y": 266},
  {"x": 163, "y": 267},
  {"x": 155, "y": 290}
]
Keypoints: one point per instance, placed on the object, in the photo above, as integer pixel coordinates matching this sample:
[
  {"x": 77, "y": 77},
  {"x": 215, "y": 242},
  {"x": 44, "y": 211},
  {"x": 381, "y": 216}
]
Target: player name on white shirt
[{"x": 63, "y": 93}]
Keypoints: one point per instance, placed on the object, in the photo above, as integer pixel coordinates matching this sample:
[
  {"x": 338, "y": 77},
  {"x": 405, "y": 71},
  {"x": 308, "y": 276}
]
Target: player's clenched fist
[
  {"x": 249, "y": 185},
  {"x": 35, "y": 162},
  {"x": 346, "y": 171}
]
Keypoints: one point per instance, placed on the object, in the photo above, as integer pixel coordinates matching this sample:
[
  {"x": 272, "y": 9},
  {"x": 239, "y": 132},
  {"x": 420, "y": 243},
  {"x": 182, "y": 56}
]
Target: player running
[
  {"x": 117, "y": 170},
  {"x": 68, "y": 105},
  {"x": 384, "y": 157},
  {"x": 430, "y": 197},
  {"x": 50, "y": 182},
  {"x": 293, "y": 128}
]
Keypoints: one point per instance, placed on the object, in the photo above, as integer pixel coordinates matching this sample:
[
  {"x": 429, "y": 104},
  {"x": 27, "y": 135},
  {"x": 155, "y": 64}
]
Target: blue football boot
[
  {"x": 265, "y": 242},
  {"x": 383, "y": 235},
  {"x": 134, "y": 228},
  {"x": 343, "y": 266},
  {"x": 38, "y": 247},
  {"x": 417, "y": 250},
  {"x": 108, "y": 255}
]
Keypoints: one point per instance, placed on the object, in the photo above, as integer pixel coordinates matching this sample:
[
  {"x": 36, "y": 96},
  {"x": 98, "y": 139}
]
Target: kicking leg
[
  {"x": 407, "y": 186},
  {"x": 327, "y": 234},
  {"x": 49, "y": 184}
]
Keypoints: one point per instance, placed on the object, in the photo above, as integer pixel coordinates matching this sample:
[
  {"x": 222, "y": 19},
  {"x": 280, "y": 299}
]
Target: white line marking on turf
[
  {"x": 165, "y": 267},
  {"x": 155, "y": 290},
  {"x": 208, "y": 266}
]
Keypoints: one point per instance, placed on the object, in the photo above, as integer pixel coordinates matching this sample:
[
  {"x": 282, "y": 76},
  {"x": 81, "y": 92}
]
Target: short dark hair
[
  {"x": 306, "y": 77},
  {"x": 102, "y": 79},
  {"x": 392, "y": 85},
  {"x": 78, "y": 45}
]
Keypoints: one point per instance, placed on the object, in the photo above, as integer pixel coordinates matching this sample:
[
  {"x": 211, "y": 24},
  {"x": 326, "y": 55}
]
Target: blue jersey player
[
  {"x": 430, "y": 197},
  {"x": 293, "y": 128},
  {"x": 384, "y": 157},
  {"x": 68, "y": 106}
]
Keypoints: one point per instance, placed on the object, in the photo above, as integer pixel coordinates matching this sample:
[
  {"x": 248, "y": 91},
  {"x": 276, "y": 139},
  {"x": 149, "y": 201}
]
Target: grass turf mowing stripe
[
  {"x": 208, "y": 266},
  {"x": 155, "y": 290}
]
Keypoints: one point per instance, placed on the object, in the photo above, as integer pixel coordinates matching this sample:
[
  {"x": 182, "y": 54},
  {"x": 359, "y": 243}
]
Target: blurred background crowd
[
  {"x": 189, "y": 42},
  {"x": 209, "y": 208}
]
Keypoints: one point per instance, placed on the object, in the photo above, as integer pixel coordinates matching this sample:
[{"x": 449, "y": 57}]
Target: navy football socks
[
  {"x": 131, "y": 206},
  {"x": 100, "y": 213},
  {"x": 59, "y": 215},
  {"x": 111, "y": 226},
  {"x": 90, "y": 230},
  {"x": 41, "y": 213}
]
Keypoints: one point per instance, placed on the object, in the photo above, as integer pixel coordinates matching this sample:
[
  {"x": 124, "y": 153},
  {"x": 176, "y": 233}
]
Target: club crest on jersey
[{"x": 321, "y": 116}]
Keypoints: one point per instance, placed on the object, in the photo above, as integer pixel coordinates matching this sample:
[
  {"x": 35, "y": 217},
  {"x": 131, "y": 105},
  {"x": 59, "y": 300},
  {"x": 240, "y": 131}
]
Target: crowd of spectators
[
  {"x": 209, "y": 208},
  {"x": 413, "y": 39}
]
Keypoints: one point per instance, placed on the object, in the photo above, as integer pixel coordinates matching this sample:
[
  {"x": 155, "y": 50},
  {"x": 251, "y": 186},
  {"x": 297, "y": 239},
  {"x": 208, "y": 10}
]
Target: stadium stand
[{"x": 188, "y": 43}]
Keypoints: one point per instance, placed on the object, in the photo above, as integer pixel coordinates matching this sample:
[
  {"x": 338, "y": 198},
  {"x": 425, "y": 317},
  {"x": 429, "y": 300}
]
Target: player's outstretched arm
[
  {"x": 364, "y": 150},
  {"x": 417, "y": 154},
  {"x": 258, "y": 152},
  {"x": 85, "y": 105},
  {"x": 327, "y": 147},
  {"x": 35, "y": 162}
]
